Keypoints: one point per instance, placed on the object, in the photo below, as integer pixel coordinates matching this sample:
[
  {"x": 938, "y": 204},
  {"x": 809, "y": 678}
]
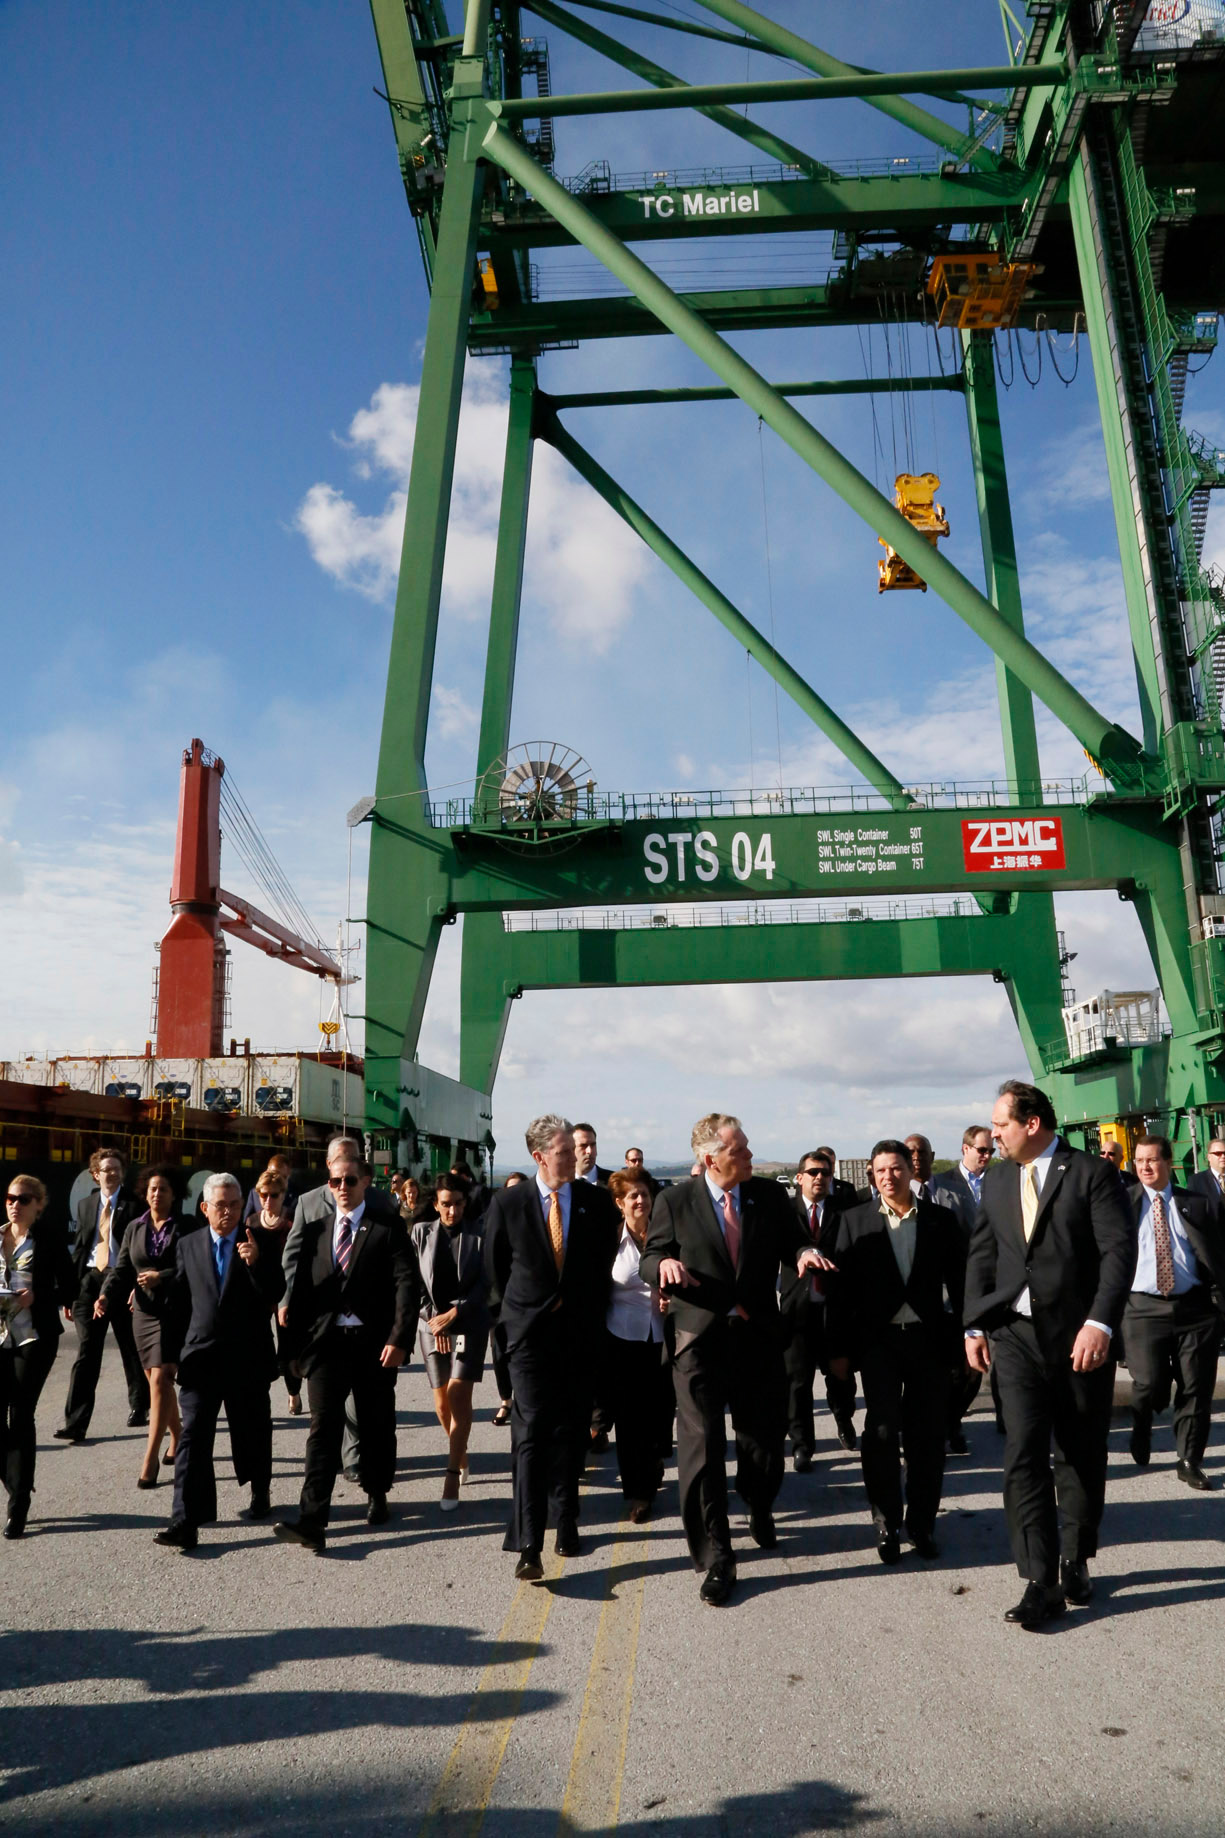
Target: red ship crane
[{"x": 191, "y": 978}]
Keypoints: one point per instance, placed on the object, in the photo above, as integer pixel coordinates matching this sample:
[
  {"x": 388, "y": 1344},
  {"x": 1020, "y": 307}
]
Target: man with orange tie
[
  {"x": 103, "y": 1217},
  {"x": 714, "y": 1249},
  {"x": 549, "y": 1249}
]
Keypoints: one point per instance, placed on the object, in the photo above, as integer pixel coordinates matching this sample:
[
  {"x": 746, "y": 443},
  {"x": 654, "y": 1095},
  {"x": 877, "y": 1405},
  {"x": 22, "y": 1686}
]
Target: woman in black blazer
[
  {"x": 139, "y": 1282},
  {"x": 454, "y": 1332},
  {"x": 39, "y": 1275}
]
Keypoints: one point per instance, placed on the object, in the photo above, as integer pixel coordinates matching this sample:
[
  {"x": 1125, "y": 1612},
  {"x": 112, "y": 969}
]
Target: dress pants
[
  {"x": 905, "y": 1373},
  {"x": 202, "y": 1394},
  {"x": 639, "y": 1387},
  {"x": 964, "y": 1387},
  {"x": 1051, "y": 1514},
  {"x": 91, "y": 1337},
  {"x": 552, "y": 1378},
  {"x": 347, "y": 1369},
  {"x": 733, "y": 1365},
  {"x": 804, "y": 1355},
  {"x": 1172, "y": 1340},
  {"x": 23, "y": 1373},
  {"x": 501, "y": 1363}
]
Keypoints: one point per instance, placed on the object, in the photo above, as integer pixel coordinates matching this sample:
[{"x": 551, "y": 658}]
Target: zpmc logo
[{"x": 996, "y": 845}]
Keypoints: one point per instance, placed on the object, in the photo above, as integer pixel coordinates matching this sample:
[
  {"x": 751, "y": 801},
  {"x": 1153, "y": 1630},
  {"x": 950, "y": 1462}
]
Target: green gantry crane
[{"x": 1091, "y": 193}]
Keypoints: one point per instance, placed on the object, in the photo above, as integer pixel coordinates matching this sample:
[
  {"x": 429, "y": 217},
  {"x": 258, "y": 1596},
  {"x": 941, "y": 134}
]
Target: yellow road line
[
  {"x": 593, "y": 1792},
  {"x": 462, "y": 1795}
]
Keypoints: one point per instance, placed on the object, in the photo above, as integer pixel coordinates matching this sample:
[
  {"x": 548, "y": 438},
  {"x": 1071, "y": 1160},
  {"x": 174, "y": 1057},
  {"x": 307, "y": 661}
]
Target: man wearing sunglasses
[
  {"x": 350, "y": 1317},
  {"x": 319, "y": 1204}
]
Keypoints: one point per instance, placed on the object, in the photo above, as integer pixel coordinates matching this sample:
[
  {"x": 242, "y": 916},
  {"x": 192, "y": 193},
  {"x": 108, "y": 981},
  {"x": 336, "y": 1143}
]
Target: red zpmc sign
[{"x": 994, "y": 845}]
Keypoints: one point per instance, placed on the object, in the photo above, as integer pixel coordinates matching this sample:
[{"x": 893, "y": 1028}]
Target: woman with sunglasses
[
  {"x": 140, "y": 1282},
  {"x": 272, "y": 1212},
  {"x": 38, "y": 1277}
]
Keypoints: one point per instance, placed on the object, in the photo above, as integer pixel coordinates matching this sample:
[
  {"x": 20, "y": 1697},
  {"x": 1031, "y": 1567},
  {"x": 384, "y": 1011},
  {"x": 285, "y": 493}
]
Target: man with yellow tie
[
  {"x": 102, "y": 1219},
  {"x": 1050, "y": 1269},
  {"x": 549, "y": 1249}
]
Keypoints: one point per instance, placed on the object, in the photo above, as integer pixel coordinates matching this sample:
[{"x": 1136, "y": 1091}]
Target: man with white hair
[
  {"x": 218, "y": 1332},
  {"x": 715, "y": 1247},
  {"x": 549, "y": 1249}
]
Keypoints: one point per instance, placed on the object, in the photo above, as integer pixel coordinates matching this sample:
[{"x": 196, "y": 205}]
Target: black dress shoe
[
  {"x": 1075, "y": 1582},
  {"x": 307, "y": 1535},
  {"x": 145, "y": 1485},
  {"x": 1140, "y": 1442},
  {"x": 352, "y": 1475},
  {"x": 1191, "y": 1476},
  {"x": 718, "y": 1583},
  {"x": 761, "y": 1529},
  {"x": 1037, "y": 1605},
  {"x": 847, "y": 1436},
  {"x": 958, "y": 1444},
  {"x": 260, "y": 1506},
  {"x": 138, "y": 1419},
  {"x": 178, "y": 1535},
  {"x": 529, "y": 1568},
  {"x": 567, "y": 1543},
  {"x": 64, "y": 1434},
  {"x": 888, "y": 1547},
  {"x": 15, "y": 1524},
  {"x": 925, "y": 1545},
  {"x": 801, "y": 1461},
  {"x": 378, "y": 1512}
]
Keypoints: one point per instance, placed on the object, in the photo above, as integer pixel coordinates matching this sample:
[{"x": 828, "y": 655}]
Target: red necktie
[{"x": 731, "y": 1229}]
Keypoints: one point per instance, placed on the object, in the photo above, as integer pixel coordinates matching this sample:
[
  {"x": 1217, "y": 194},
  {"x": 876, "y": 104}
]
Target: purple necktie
[{"x": 344, "y": 1243}]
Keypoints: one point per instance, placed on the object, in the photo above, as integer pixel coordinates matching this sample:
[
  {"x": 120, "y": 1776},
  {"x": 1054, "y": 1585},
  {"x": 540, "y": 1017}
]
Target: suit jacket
[
  {"x": 1204, "y": 1182},
  {"x": 794, "y": 1291},
  {"x": 953, "y": 1191},
  {"x": 524, "y": 1283},
  {"x": 467, "y": 1245},
  {"x": 381, "y": 1286},
  {"x": 226, "y": 1332},
  {"x": 1079, "y": 1263},
  {"x": 684, "y": 1225},
  {"x": 127, "y": 1208},
  {"x": 52, "y": 1278},
  {"x": 866, "y": 1291},
  {"x": 320, "y": 1203},
  {"x": 844, "y": 1192},
  {"x": 1204, "y": 1226},
  {"x": 134, "y": 1256}
]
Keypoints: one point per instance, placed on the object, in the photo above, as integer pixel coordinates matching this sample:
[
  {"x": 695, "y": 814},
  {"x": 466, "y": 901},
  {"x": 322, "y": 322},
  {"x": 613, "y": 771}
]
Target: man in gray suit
[
  {"x": 318, "y": 1204},
  {"x": 960, "y": 1189}
]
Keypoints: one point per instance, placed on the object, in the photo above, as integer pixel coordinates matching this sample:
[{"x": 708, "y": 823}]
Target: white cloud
[
  {"x": 585, "y": 570},
  {"x": 453, "y": 716},
  {"x": 1069, "y": 472}
]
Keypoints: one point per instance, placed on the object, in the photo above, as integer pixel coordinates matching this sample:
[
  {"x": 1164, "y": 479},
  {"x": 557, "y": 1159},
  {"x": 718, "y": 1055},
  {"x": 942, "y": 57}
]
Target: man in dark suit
[
  {"x": 960, "y": 1190},
  {"x": 1112, "y": 1152},
  {"x": 801, "y": 1301},
  {"x": 218, "y": 1332},
  {"x": 840, "y": 1191},
  {"x": 587, "y": 1168},
  {"x": 103, "y": 1217},
  {"x": 1051, "y": 1265},
  {"x": 897, "y": 1258},
  {"x": 1170, "y": 1325},
  {"x": 922, "y": 1159},
  {"x": 317, "y": 1206},
  {"x": 349, "y": 1316},
  {"x": 549, "y": 1249},
  {"x": 714, "y": 1248},
  {"x": 586, "y": 1164},
  {"x": 1210, "y": 1181}
]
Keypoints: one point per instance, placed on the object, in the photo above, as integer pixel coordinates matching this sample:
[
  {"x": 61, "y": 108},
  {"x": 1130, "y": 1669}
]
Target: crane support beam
[
  {"x": 277, "y": 940},
  {"x": 849, "y": 386},
  {"x": 730, "y": 617},
  {"x": 792, "y": 89},
  {"x": 1119, "y": 753},
  {"x": 762, "y": 138}
]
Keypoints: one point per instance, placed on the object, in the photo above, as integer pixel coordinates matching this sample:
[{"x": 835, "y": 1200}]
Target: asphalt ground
[{"x": 405, "y": 1682}]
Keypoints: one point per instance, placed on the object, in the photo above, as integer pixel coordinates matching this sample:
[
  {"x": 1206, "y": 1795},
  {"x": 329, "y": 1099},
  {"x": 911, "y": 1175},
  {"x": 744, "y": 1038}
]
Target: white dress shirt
[
  {"x": 354, "y": 1218},
  {"x": 632, "y": 1313},
  {"x": 1186, "y": 1268},
  {"x": 1023, "y": 1305},
  {"x": 592, "y": 1175}
]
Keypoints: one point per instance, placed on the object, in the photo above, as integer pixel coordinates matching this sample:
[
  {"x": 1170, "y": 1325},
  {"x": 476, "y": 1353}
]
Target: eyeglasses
[
  {"x": 19, "y": 1199},
  {"x": 343, "y": 1180}
]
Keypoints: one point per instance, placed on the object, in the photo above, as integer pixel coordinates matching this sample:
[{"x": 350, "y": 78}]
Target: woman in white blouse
[{"x": 639, "y": 1375}]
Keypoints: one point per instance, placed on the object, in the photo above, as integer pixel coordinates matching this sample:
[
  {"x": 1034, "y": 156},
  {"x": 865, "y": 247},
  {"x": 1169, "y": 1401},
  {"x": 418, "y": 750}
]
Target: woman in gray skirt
[
  {"x": 140, "y": 1280},
  {"x": 454, "y": 1330}
]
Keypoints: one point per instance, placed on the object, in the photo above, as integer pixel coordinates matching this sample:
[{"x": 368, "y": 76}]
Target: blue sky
[{"x": 212, "y": 307}]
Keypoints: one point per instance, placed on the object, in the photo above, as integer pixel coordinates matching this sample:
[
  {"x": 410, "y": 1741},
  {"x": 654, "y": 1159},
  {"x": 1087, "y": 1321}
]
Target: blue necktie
[{"x": 219, "y": 1250}]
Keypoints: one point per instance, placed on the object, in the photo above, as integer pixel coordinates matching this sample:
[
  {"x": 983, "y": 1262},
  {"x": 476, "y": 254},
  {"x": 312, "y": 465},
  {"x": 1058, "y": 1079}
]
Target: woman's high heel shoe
[
  {"x": 145, "y": 1484},
  {"x": 450, "y": 1505}
]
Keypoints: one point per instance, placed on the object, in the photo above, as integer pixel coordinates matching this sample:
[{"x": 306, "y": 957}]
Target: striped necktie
[{"x": 344, "y": 1243}]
